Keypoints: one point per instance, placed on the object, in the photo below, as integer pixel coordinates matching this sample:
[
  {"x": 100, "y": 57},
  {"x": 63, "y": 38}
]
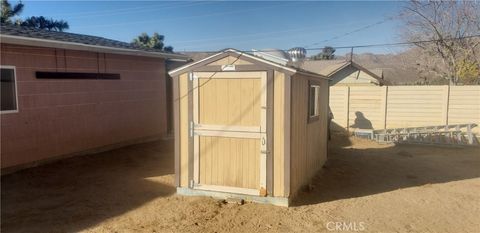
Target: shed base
[{"x": 278, "y": 201}]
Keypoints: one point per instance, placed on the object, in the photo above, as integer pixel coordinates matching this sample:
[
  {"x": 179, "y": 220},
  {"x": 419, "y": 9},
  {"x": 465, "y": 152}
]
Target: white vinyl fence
[{"x": 404, "y": 106}]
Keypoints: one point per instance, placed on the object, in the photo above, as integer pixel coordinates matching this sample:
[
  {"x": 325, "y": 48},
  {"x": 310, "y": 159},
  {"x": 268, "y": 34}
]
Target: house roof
[
  {"x": 330, "y": 67},
  {"x": 324, "y": 67},
  {"x": 13, "y": 34},
  {"x": 218, "y": 55}
]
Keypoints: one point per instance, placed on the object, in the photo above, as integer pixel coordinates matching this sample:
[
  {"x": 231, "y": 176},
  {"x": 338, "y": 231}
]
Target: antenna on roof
[{"x": 351, "y": 54}]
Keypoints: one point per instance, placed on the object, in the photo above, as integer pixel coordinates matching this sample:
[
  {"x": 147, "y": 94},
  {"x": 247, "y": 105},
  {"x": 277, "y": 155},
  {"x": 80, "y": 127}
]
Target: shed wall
[
  {"x": 64, "y": 116},
  {"x": 308, "y": 140}
]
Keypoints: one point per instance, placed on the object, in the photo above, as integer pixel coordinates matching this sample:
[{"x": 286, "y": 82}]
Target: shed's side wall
[
  {"x": 308, "y": 140},
  {"x": 64, "y": 116}
]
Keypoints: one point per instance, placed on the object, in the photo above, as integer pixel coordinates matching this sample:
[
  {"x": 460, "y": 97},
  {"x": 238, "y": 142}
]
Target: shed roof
[
  {"x": 222, "y": 53},
  {"x": 13, "y": 34},
  {"x": 330, "y": 67}
]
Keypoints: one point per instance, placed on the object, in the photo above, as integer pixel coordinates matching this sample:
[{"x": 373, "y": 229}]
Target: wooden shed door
[{"x": 229, "y": 128}]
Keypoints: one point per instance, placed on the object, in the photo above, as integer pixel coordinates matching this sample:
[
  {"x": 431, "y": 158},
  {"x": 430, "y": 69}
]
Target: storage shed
[{"x": 248, "y": 128}]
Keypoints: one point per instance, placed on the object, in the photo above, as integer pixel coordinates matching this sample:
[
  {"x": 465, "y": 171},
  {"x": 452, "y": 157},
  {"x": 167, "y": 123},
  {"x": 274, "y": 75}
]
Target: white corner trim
[
  {"x": 16, "y": 89},
  {"x": 237, "y": 52}
]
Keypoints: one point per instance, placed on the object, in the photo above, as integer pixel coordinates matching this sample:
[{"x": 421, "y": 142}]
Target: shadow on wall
[
  {"x": 74, "y": 194},
  {"x": 361, "y": 122},
  {"x": 359, "y": 167}
]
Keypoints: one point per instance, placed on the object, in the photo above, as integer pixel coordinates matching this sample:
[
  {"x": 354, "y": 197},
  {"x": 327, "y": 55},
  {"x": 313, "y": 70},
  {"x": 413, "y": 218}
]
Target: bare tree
[{"x": 453, "y": 27}]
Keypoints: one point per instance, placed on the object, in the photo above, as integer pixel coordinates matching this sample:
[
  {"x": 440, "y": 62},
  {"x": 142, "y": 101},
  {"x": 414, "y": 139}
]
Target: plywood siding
[
  {"x": 230, "y": 162},
  {"x": 184, "y": 137},
  {"x": 229, "y": 101},
  {"x": 279, "y": 134},
  {"x": 230, "y": 60},
  {"x": 308, "y": 140}
]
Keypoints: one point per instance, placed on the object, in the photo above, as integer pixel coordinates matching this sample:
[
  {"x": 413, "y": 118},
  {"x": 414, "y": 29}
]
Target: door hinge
[
  {"x": 191, "y": 128},
  {"x": 190, "y": 76},
  {"x": 265, "y": 152}
]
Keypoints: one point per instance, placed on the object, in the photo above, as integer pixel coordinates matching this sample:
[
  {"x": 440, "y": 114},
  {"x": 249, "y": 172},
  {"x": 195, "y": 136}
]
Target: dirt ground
[{"x": 364, "y": 186}]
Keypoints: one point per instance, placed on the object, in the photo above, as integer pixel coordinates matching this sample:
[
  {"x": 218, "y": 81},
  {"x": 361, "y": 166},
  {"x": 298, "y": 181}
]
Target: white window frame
[
  {"x": 316, "y": 101},
  {"x": 16, "y": 89}
]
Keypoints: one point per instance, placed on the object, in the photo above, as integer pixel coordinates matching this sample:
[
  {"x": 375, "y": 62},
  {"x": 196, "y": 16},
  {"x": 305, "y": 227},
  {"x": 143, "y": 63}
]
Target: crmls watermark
[{"x": 345, "y": 226}]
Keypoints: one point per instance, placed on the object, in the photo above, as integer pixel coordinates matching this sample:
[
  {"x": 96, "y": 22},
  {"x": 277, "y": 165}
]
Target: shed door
[{"x": 229, "y": 124}]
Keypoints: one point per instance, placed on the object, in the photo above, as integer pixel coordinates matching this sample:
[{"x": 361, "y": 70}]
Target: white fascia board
[{"x": 237, "y": 52}]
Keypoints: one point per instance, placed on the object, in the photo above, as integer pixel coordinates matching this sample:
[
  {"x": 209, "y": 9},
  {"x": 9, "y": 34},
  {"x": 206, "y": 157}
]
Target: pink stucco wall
[{"x": 63, "y": 116}]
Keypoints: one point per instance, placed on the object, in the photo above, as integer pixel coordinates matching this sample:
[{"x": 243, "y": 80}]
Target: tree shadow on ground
[
  {"x": 366, "y": 168},
  {"x": 73, "y": 194}
]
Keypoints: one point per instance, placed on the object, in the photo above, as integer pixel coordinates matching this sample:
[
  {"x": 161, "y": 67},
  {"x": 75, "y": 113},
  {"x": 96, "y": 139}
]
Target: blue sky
[{"x": 207, "y": 26}]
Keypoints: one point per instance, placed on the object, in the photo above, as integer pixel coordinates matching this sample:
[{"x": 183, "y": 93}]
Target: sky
[{"x": 244, "y": 25}]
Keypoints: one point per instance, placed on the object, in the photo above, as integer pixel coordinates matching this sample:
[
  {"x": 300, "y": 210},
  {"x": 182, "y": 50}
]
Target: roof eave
[
  {"x": 313, "y": 75},
  {"x": 28, "y": 41},
  {"x": 179, "y": 70}
]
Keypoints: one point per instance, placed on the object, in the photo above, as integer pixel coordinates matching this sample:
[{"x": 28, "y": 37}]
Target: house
[
  {"x": 345, "y": 73},
  {"x": 247, "y": 127},
  {"x": 64, "y": 94}
]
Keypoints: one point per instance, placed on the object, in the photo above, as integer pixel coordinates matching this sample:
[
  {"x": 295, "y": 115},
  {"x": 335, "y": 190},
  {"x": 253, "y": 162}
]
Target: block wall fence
[{"x": 404, "y": 106}]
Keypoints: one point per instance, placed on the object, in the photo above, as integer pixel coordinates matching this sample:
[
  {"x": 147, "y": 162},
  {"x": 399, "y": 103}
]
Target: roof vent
[
  {"x": 274, "y": 55},
  {"x": 297, "y": 54}
]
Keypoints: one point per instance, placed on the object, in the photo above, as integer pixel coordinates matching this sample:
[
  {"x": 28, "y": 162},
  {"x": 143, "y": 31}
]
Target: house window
[
  {"x": 313, "y": 100},
  {"x": 8, "y": 88}
]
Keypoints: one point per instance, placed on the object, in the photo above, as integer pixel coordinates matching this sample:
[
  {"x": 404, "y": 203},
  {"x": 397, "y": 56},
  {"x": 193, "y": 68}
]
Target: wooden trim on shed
[
  {"x": 190, "y": 130},
  {"x": 287, "y": 130},
  {"x": 226, "y": 74},
  {"x": 240, "y": 55},
  {"x": 196, "y": 138},
  {"x": 270, "y": 135},
  {"x": 176, "y": 129},
  {"x": 238, "y": 68},
  {"x": 227, "y": 189}
]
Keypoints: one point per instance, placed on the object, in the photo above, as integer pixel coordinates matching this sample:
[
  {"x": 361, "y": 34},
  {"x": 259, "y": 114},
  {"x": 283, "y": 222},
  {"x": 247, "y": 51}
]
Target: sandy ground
[{"x": 365, "y": 186}]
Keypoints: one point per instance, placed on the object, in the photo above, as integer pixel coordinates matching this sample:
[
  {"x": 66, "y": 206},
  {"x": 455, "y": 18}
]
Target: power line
[
  {"x": 363, "y": 46},
  {"x": 399, "y": 43},
  {"x": 351, "y": 32},
  {"x": 184, "y": 17},
  {"x": 140, "y": 10}
]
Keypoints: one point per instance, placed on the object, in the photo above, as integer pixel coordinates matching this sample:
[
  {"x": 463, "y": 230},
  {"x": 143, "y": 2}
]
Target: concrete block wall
[{"x": 62, "y": 116}]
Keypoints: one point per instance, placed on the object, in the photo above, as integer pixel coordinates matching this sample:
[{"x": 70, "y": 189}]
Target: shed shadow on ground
[
  {"x": 366, "y": 168},
  {"x": 74, "y": 194}
]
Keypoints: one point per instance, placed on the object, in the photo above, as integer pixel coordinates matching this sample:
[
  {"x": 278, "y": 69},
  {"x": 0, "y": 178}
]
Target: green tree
[
  {"x": 7, "y": 11},
  {"x": 327, "y": 53},
  {"x": 468, "y": 72},
  {"x": 40, "y": 22},
  {"x": 153, "y": 42},
  {"x": 44, "y": 23}
]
